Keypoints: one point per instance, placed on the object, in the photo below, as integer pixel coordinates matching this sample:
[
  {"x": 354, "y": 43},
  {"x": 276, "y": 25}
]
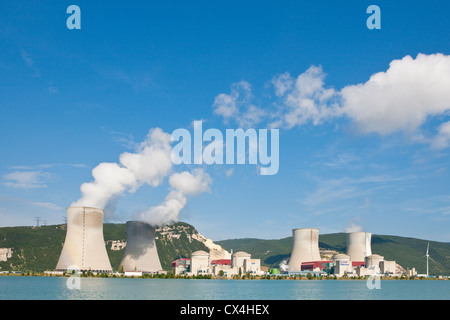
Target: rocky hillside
[{"x": 38, "y": 249}]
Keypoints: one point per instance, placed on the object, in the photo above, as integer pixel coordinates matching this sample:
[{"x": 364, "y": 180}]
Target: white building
[
  {"x": 241, "y": 263},
  {"x": 252, "y": 266},
  {"x": 228, "y": 271},
  {"x": 387, "y": 267},
  {"x": 373, "y": 260},
  {"x": 342, "y": 265},
  {"x": 238, "y": 258},
  {"x": 369, "y": 271},
  {"x": 200, "y": 263}
]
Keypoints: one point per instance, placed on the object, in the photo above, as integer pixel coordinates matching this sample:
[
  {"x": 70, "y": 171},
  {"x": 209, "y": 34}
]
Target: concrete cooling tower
[
  {"x": 358, "y": 245},
  {"x": 140, "y": 253},
  {"x": 305, "y": 247},
  {"x": 84, "y": 247}
]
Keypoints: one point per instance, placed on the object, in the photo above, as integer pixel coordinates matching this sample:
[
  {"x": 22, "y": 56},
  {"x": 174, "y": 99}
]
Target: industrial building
[
  {"x": 84, "y": 247},
  {"x": 200, "y": 264},
  {"x": 84, "y": 250},
  {"x": 342, "y": 265},
  {"x": 238, "y": 258},
  {"x": 359, "y": 260},
  {"x": 376, "y": 265},
  {"x": 141, "y": 254},
  {"x": 181, "y": 266}
]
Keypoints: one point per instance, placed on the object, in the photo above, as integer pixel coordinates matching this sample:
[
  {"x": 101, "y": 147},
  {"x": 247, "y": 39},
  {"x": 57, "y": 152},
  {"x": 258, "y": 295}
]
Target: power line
[{"x": 37, "y": 221}]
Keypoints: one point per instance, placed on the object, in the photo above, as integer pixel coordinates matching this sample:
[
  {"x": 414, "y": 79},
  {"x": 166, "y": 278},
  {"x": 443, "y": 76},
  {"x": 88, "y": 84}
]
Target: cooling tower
[
  {"x": 358, "y": 245},
  {"x": 84, "y": 247},
  {"x": 305, "y": 247},
  {"x": 140, "y": 253}
]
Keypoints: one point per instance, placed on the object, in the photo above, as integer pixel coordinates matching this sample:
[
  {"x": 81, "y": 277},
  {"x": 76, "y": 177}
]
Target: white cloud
[
  {"x": 46, "y": 205},
  {"x": 229, "y": 172},
  {"x": 236, "y": 106},
  {"x": 225, "y": 105},
  {"x": 304, "y": 99},
  {"x": 124, "y": 139},
  {"x": 26, "y": 179},
  {"x": 442, "y": 139},
  {"x": 343, "y": 160},
  {"x": 402, "y": 98},
  {"x": 47, "y": 166},
  {"x": 348, "y": 195},
  {"x": 26, "y": 57},
  {"x": 24, "y": 204},
  {"x": 52, "y": 89},
  {"x": 282, "y": 83}
]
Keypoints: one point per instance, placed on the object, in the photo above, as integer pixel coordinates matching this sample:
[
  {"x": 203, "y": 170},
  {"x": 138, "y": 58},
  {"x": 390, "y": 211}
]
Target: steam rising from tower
[
  {"x": 182, "y": 185},
  {"x": 149, "y": 165},
  {"x": 305, "y": 247}
]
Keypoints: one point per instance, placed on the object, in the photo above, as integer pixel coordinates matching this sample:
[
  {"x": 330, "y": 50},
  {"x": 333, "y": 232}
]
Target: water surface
[{"x": 56, "y": 288}]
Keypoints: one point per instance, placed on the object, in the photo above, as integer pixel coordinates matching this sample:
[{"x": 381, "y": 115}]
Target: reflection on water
[{"x": 53, "y": 288}]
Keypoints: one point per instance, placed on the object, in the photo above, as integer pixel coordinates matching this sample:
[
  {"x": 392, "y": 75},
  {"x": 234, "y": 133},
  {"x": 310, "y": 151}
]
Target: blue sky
[{"x": 72, "y": 99}]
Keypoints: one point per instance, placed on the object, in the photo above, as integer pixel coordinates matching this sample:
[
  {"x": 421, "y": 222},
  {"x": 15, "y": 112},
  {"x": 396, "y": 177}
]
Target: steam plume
[
  {"x": 149, "y": 165},
  {"x": 182, "y": 185}
]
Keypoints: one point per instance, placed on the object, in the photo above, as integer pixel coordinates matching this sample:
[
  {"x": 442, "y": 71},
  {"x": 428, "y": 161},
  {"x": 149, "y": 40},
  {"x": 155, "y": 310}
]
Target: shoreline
[{"x": 169, "y": 276}]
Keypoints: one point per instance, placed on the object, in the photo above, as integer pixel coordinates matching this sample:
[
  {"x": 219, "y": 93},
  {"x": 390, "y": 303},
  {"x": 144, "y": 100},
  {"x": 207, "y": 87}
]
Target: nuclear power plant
[
  {"x": 84, "y": 247},
  {"x": 84, "y": 250},
  {"x": 305, "y": 247},
  {"x": 141, "y": 254},
  {"x": 359, "y": 260}
]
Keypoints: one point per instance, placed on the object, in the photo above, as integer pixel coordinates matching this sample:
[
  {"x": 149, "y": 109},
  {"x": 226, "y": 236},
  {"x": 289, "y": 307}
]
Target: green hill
[
  {"x": 407, "y": 252},
  {"x": 38, "y": 249}
]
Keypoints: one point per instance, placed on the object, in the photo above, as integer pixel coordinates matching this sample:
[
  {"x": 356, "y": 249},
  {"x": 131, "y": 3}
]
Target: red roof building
[
  {"x": 221, "y": 262},
  {"x": 311, "y": 265}
]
